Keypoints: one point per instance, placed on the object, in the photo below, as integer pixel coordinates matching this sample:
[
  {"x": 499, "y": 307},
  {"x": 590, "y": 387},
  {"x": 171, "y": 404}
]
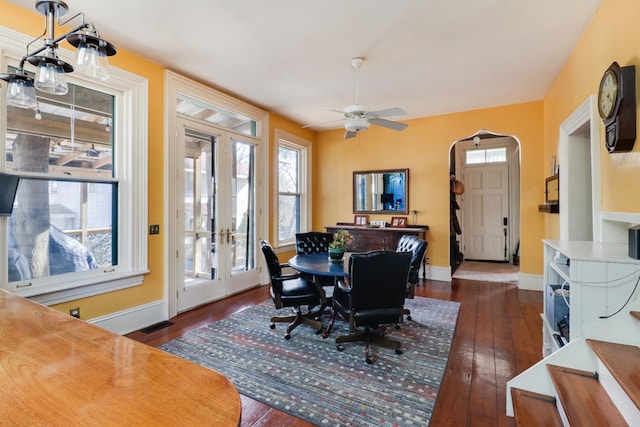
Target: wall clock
[{"x": 617, "y": 107}]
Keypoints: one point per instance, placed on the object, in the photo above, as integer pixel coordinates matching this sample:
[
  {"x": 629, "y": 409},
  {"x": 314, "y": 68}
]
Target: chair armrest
[
  {"x": 342, "y": 286},
  {"x": 287, "y": 276}
]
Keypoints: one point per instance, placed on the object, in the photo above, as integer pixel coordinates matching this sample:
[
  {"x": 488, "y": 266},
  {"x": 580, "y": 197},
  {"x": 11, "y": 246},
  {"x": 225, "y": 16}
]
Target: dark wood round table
[{"x": 320, "y": 265}]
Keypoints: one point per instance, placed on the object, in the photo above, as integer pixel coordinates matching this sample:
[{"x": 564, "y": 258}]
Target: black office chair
[
  {"x": 314, "y": 242},
  {"x": 417, "y": 247},
  {"x": 291, "y": 290},
  {"x": 374, "y": 298}
]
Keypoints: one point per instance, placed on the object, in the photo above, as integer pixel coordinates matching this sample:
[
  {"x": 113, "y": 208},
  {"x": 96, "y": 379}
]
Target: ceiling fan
[{"x": 358, "y": 117}]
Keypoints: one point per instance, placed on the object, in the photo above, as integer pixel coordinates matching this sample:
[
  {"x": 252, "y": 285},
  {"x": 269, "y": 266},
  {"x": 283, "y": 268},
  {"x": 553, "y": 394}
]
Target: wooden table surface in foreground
[{"x": 59, "y": 370}]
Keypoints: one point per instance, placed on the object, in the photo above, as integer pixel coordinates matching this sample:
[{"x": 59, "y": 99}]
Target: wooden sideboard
[{"x": 382, "y": 238}]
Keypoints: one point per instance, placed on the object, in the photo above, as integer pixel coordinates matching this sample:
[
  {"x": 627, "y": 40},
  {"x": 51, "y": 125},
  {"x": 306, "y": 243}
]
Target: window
[
  {"x": 293, "y": 205},
  {"x": 488, "y": 155},
  {"x": 189, "y": 107},
  {"x": 82, "y": 165}
]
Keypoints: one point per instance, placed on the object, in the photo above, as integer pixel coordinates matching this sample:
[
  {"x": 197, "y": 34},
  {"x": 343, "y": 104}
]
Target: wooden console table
[
  {"x": 382, "y": 238},
  {"x": 59, "y": 370}
]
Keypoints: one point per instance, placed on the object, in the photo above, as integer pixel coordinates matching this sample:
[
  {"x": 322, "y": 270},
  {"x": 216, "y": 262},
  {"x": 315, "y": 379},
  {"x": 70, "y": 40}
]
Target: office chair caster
[
  {"x": 340, "y": 347},
  {"x": 287, "y": 337},
  {"x": 272, "y": 325},
  {"x": 319, "y": 331},
  {"x": 398, "y": 351},
  {"x": 397, "y": 326},
  {"x": 369, "y": 360},
  {"x": 408, "y": 317}
]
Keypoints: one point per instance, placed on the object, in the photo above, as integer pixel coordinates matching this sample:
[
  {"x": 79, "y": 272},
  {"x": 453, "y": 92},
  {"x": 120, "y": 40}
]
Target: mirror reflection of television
[{"x": 8, "y": 190}]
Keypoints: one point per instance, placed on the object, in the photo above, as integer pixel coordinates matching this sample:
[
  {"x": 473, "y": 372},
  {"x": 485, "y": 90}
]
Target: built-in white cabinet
[{"x": 601, "y": 277}]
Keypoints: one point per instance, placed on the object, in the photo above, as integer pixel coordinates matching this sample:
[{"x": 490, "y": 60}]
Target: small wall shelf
[
  {"x": 551, "y": 195},
  {"x": 549, "y": 208}
]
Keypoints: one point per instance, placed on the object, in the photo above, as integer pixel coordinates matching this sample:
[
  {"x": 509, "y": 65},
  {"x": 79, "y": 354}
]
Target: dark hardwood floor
[{"x": 498, "y": 335}]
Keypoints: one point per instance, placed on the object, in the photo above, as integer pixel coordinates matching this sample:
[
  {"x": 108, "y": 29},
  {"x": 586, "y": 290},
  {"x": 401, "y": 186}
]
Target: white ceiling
[{"x": 293, "y": 57}]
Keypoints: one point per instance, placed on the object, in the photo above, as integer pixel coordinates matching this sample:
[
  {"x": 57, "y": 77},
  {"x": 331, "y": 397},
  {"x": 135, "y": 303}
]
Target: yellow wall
[
  {"x": 423, "y": 147},
  {"x": 30, "y": 23},
  {"x": 613, "y": 35}
]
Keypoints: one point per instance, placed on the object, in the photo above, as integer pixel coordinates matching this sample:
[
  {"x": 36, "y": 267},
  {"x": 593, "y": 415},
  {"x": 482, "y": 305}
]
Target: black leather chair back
[
  {"x": 379, "y": 282},
  {"x": 313, "y": 242},
  {"x": 417, "y": 247},
  {"x": 273, "y": 264}
]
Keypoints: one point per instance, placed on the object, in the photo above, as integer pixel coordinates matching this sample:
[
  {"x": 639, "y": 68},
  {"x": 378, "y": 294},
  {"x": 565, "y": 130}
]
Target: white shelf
[
  {"x": 600, "y": 275},
  {"x": 562, "y": 269}
]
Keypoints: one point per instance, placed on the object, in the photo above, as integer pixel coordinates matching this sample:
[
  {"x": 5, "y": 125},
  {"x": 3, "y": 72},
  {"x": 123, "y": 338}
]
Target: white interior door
[
  {"x": 215, "y": 223},
  {"x": 486, "y": 212}
]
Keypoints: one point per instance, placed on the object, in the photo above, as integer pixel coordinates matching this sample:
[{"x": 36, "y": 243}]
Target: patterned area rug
[{"x": 307, "y": 377}]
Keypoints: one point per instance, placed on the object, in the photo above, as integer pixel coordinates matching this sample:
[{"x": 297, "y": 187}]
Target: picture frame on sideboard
[
  {"x": 399, "y": 221},
  {"x": 361, "y": 220}
]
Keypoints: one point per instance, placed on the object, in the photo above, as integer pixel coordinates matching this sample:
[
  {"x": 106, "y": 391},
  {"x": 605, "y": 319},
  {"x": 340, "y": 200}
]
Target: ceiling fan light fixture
[{"x": 356, "y": 125}]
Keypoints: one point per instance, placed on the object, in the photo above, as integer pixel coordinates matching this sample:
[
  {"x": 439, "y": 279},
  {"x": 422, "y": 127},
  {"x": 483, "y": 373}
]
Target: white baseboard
[
  {"x": 531, "y": 282},
  {"x": 133, "y": 319},
  {"x": 442, "y": 274}
]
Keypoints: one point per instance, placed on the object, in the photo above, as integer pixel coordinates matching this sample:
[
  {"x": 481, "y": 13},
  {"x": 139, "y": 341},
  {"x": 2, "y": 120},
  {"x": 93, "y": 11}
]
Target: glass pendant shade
[
  {"x": 21, "y": 93},
  {"x": 92, "y": 61},
  {"x": 51, "y": 78}
]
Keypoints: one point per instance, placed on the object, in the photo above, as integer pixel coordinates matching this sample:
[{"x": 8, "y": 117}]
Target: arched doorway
[{"x": 487, "y": 212}]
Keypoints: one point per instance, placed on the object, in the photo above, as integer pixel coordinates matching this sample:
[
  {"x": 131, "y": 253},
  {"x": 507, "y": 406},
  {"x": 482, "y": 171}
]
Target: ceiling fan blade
[
  {"x": 388, "y": 124},
  {"x": 332, "y": 109},
  {"x": 349, "y": 134},
  {"x": 395, "y": 111},
  {"x": 322, "y": 123}
]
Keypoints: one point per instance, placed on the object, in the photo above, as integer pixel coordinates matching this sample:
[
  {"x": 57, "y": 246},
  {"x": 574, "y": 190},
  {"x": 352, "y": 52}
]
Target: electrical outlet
[
  {"x": 75, "y": 312},
  {"x": 427, "y": 261},
  {"x": 154, "y": 229}
]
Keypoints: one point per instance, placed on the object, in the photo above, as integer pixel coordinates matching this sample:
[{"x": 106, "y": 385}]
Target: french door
[{"x": 214, "y": 229}]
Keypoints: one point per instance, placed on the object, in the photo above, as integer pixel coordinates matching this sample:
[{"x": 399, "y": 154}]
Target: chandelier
[{"x": 50, "y": 75}]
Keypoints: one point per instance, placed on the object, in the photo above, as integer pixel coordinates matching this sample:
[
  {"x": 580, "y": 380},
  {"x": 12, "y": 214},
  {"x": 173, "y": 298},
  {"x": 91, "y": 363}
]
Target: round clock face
[{"x": 608, "y": 94}]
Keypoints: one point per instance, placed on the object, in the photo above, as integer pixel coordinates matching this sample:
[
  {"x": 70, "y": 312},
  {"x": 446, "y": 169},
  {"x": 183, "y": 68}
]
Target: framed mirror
[{"x": 381, "y": 191}]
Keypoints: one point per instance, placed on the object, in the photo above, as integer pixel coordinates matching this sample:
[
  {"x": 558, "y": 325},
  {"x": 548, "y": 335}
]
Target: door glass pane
[
  {"x": 489, "y": 155},
  {"x": 199, "y": 186},
  {"x": 195, "y": 109},
  {"x": 243, "y": 206}
]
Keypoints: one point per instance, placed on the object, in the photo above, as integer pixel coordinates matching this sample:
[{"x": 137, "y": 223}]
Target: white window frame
[
  {"x": 130, "y": 166},
  {"x": 303, "y": 147}
]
